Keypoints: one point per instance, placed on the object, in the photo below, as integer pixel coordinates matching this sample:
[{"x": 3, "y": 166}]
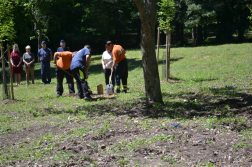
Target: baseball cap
[
  {"x": 109, "y": 42},
  {"x": 62, "y": 41},
  {"x": 43, "y": 42}
]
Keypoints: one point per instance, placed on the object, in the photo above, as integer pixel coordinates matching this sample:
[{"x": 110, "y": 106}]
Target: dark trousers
[
  {"x": 121, "y": 73},
  {"x": 60, "y": 76},
  {"x": 46, "y": 72},
  {"x": 81, "y": 83},
  {"x": 107, "y": 73}
]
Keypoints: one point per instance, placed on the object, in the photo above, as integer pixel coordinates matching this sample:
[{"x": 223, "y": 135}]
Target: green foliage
[
  {"x": 199, "y": 12},
  {"x": 7, "y": 31},
  {"x": 250, "y": 8},
  {"x": 166, "y": 13}
]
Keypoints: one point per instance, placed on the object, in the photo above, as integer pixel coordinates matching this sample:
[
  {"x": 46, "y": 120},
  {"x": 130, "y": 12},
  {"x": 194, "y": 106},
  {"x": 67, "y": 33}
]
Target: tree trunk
[
  {"x": 194, "y": 36},
  {"x": 147, "y": 10},
  {"x": 205, "y": 32},
  {"x": 182, "y": 34},
  {"x": 177, "y": 32},
  {"x": 118, "y": 31},
  {"x": 199, "y": 35},
  {"x": 5, "y": 91}
]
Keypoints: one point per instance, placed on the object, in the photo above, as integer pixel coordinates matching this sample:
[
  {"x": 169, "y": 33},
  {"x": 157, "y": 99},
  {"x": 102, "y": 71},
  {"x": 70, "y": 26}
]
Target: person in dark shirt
[
  {"x": 63, "y": 47},
  {"x": 28, "y": 59},
  {"x": 45, "y": 56},
  {"x": 79, "y": 67}
]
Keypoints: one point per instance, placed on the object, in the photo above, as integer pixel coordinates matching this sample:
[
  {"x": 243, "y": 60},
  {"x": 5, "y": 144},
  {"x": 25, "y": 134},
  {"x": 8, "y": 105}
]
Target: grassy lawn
[{"x": 209, "y": 95}]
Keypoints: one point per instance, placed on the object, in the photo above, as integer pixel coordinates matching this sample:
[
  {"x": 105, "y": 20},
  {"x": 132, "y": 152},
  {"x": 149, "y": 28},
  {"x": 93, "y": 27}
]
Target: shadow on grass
[{"x": 224, "y": 102}]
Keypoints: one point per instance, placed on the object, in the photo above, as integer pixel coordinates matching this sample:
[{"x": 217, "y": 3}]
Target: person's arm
[
  {"x": 50, "y": 56},
  {"x": 32, "y": 61},
  {"x": 103, "y": 65},
  {"x": 88, "y": 61},
  {"x": 12, "y": 62},
  {"x": 25, "y": 61},
  {"x": 56, "y": 55},
  {"x": 115, "y": 62},
  {"x": 38, "y": 57},
  {"x": 20, "y": 62}
]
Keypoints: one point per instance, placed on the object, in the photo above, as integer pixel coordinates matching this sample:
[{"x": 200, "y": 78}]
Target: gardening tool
[{"x": 110, "y": 87}]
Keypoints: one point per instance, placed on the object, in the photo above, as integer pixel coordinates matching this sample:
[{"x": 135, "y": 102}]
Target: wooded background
[{"x": 81, "y": 22}]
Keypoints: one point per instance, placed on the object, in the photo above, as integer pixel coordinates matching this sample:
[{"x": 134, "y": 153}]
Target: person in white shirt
[{"x": 107, "y": 62}]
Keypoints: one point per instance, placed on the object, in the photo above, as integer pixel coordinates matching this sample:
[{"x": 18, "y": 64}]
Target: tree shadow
[
  {"x": 224, "y": 102},
  {"x": 171, "y": 60}
]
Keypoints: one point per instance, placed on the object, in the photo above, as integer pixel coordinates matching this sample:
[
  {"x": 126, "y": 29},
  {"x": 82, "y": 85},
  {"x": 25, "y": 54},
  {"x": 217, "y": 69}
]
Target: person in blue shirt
[
  {"x": 79, "y": 67},
  {"x": 63, "y": 47},
  {"x": 45, "y": 56}
]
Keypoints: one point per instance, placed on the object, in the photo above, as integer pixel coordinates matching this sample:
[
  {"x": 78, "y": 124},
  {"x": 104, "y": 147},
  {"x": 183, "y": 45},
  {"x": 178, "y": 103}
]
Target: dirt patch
[
  {"x": 9, "y": 101},
  {"x": 185, "y": 146},
  {"x": 140, "y": 134}
]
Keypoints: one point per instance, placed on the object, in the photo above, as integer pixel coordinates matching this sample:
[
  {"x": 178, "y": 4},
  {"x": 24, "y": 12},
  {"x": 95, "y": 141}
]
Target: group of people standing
[
  {"x": 72, "y": 65},
  {"x": 16, "y": 59}
]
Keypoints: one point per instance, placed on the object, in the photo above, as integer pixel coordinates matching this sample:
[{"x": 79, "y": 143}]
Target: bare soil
[{"x": 191, "y": 145}]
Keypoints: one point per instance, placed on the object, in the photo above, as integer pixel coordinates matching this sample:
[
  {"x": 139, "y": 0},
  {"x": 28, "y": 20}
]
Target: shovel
[{"x": 110, "y": 87}]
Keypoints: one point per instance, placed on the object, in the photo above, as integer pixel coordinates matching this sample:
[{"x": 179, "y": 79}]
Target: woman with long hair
[{"x": 16, "y": 63}]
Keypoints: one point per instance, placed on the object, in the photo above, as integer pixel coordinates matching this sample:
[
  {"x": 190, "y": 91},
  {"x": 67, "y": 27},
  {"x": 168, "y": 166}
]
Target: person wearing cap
[
  {"x": 45, "y": 56},
  {"x": 119, "y": 67},
  {"x": 63, "y": 47},
  {"x": 79, "y": 67},
  {"x": 63, "y": 69},
  {"x": 28, "y": 59}
]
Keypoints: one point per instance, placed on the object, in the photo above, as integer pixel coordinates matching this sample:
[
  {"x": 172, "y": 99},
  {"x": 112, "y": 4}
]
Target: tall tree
[
  {"x": 7, "y": 31},
  {"x": 147, "y": 10}
]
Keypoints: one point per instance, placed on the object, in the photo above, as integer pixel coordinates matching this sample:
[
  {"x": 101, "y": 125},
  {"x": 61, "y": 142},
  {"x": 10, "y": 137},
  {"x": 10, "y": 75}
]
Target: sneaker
[
  {"x": 81, "y": 97},
  {"x": 124, "y": 91},
  {"x": 58, "y": 95},
  {"x": 88, "y": 98},
  {"x": 117, "y": 91}
]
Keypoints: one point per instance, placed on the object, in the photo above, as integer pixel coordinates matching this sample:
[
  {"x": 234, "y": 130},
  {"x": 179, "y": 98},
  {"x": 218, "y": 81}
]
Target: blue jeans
[{"x": 45, "y": 72}]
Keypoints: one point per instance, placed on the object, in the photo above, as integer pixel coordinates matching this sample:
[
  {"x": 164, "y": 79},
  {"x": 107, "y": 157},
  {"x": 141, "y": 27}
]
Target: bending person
[
  {"x": 63, "y": 69},
  {"x": 28, "y": 59},
  {"x": 79, "y": 68},
  {"x": 107, "y": 62},
  {"x": 119, "y": 67}
]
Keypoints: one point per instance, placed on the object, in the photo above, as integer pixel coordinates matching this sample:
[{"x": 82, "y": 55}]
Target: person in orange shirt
[
  {"x": 63, "y": 69},
  {"x": 119, "y": 67}
]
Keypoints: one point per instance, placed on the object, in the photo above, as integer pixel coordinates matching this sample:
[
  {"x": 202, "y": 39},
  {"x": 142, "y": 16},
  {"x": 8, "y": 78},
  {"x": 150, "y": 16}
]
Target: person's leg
[
  {"x": 76, "y": 75},
  {"x": 43, "y": 72},
  {"x": 19, "y": 78},
  {"x": 106, "y": 74},
  {"x": 118, "y": 71},
  {"x": 113, "y": 78},
  {"x": 84, "y": 84},
  {"x": 48, "y": 72},
  {"x": 124, "y": 76},
  {"x": 27, "y": 75},
  {"x": 32, "y": 74},
  {"x": 16, "y": 78},
  {"x": 60, "y": 77},
  {"x": 70, "y": 82}
]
